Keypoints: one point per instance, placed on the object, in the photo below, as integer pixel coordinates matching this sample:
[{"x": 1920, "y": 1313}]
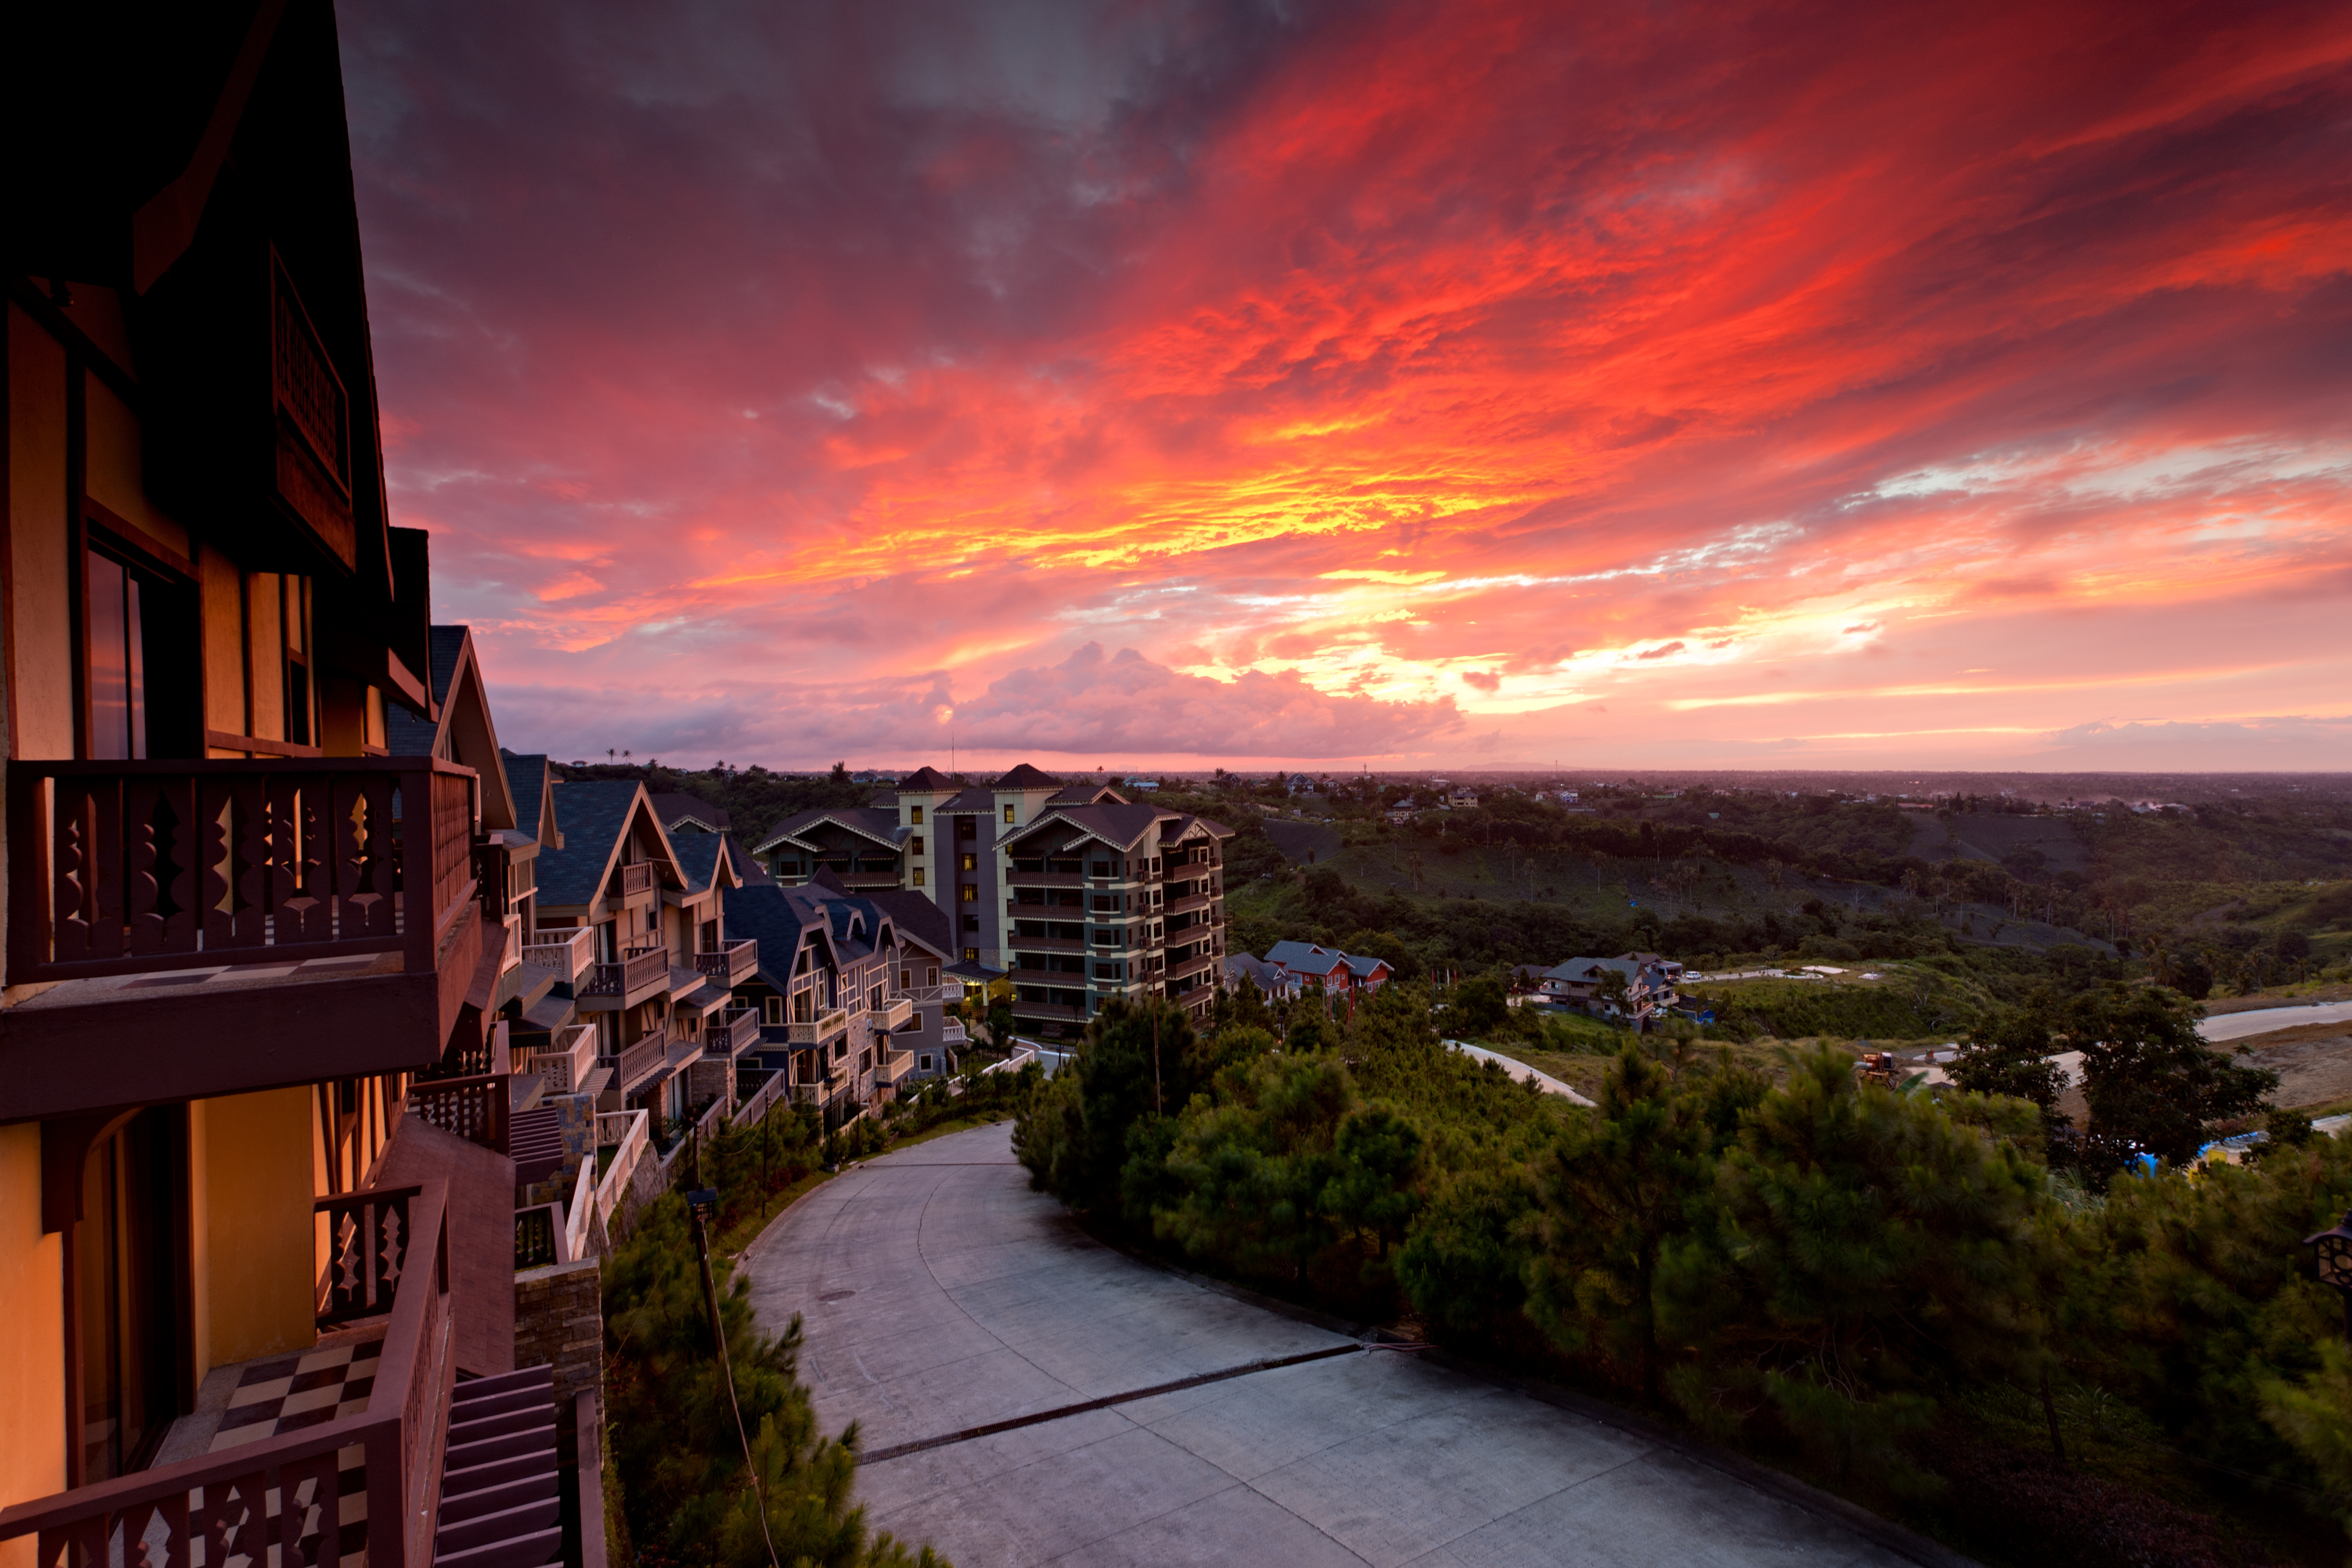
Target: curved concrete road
[
  {"x": 2265, "y": 1020},
  {"x": 939, "y": 1295}
]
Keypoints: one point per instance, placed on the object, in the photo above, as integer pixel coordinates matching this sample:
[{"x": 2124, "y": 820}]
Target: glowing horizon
[{"x": 1185, "y": 387}]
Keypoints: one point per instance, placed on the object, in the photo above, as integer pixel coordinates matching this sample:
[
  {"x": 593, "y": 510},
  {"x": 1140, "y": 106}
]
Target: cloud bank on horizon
[{"x": 1188, "y": 383}]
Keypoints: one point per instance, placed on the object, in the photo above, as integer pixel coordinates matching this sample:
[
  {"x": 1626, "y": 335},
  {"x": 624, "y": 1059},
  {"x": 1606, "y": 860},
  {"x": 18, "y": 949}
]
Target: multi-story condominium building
[
  {"x": 932, "y": 835},
  {"x": 257, "y": 1214},
  {"x": 1113, "y": 900}
]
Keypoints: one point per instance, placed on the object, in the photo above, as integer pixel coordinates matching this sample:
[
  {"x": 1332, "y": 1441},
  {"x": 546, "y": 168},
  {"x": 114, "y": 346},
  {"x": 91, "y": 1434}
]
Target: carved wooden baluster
[
  {"x": 139, "y": 1523},
  {"x": 178, "y": 840},
  {"x": 80, "y": 1543},
  {"x": 68, "y": 872},
  {"x": 232, "y": 1521},
  {"x": 142, "y": 924},
  {"x": 311, "y": 1511},
  {"x": 105, "y": 887},
  {"x": 392, "y": 1219},
  {"x": 347, "y": 1284},
  {"x": 251, "y": 823},
  {"x": 384, "y": 859},
  {"x": 314, "y": 866},
  {"x": 213, "y": 860}
]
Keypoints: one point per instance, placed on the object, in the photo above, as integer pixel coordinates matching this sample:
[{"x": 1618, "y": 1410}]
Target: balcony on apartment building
[
  {"x": 210, "y": 928},
  {"x": 642, "y": 974},
  {"x": 570, "y": 953},
  {"x": 288, "y": 1484},
  {"x": 1185, "y": 902},
  {"x": 730, "y": 964},
  {"x": 893, "y": 1014},
  {"x": 568, "y": 1061},
  {"x": 1052, "y": 874},
  {"x": 827, "y": 1025},
  {"x": 632, "y": 879},
  {"x": 731, "y": 1033},
  {"x": 652, "y": 1060}
]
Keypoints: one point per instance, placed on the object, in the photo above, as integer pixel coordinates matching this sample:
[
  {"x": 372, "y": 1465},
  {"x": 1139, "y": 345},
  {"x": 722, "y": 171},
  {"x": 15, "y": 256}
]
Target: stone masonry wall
[{"x": 560, "y": 1322}]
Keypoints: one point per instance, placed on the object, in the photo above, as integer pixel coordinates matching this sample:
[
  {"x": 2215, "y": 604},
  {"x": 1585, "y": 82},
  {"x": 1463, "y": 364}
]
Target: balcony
[
  {"x": 892, "y": 1066},
  {"x": 654, "y": 1058},
  {"x": 1047, "y": 943},
  {"x": 732, "y": 1032},
  {"x": 1020, "y": 878},
  {"x": 829, "y": 1025},
  {"x": 638, "y": 877},
  {"x": 731, "y": 964},
  {"x": 639, "y": 977},
  {"x": 570, "y": 953},
  {"x": 1186, "y": 903},
  {"x": 220, "y": 927},
  {"x": 893, "y": 1014},
  {"x": 263, "y": 1498},
  {"x": 566, "y": 1065},
  {"x": 925, "y": 995}
]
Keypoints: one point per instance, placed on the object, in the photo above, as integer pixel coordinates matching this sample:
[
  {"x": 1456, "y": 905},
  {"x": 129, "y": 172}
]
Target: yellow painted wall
[
  {"x": 255, "y": 1279},
  {"x": 32, "y": 1349},
  {"x": 111, "y": 469},
  {"x": 41, "y": 705}
]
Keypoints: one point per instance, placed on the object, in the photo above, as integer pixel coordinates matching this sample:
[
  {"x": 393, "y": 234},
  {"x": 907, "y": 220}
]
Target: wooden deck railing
[
  {"x": 277, "y": 1499},
  {"x": 630, "y": 1132},
  {"x": 580, "y": 1216},
  {"x": 637, "y": 973},
  {"x": 569, "y": 953},
  {"x": 566, "y": 1063},
  {"x": 474, "y": 1109},
  {"x": 637, "y": 877},
  {"x": 775, "y": 1086},
  {"x": 639, "y": 1061},
  {"x": 124, "y": 868},
  {"x": 732, "y": 1032},
  {"x": 831, "y": 1024},
  {"x": 730, "y": 963},
  {"x": 538, "y": 1237}
]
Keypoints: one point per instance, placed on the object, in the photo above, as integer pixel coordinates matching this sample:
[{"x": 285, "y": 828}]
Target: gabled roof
[
  {"x": 1585, "y": 971},
  {"x": 926, "y": 780},
  {"x": 1023, "y": 776},
  {"x": 1306, "y": 958},
  {"x": 769, "y": 915},
  {"x": 598, "y": 814},
  {"x": 1087, "y": 794},
  {"x": 1121, "y": 826},
  {"x": 919, "y": 919},
  {"x": 866, "y": 822},
  {"x": 463, "y": 734},
  {"x": 707, "y": 859},
  {"x": 1361, "y": 967},
  {"x": 677, "y": 810},
  {"x": 530, "y": 779}
]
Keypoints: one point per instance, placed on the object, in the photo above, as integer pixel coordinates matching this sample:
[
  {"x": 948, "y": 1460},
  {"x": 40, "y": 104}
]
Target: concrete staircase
[{"x": 501, "y": 1505}]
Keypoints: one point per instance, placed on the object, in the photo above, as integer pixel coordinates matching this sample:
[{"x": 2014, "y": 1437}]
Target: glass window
[
  {"x": 971, "y": 862},
  {"x": 971, "y": 893},
  {"x": 915, "y": 845},
  {"x": 915, "y": 818},
  {"x": 972, "y": 956},
  {"x": 918, "y": 876},
  {"x": 1008, "y": 811},
  {"x": 118, "y": 674}
]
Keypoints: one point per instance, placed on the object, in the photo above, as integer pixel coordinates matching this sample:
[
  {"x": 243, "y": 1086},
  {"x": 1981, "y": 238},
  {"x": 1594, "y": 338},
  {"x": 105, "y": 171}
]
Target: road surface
[
  {"x": 939, "y": 1295},
  {"x": 2262, "y": 1020}
]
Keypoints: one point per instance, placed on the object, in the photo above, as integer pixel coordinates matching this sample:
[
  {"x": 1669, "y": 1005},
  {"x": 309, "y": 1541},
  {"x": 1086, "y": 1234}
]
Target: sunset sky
[{"x": 1459, "y": 385}]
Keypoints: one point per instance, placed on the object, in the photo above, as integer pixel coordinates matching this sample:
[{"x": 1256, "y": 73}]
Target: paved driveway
[{"x": 939, "y": 1295}]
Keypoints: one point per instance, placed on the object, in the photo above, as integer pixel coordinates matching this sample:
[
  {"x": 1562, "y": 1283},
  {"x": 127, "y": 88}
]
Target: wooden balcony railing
[
  {"x": 732, "y": 1032},
  {"x": 829, "y": 1025},
  {"x": 124, "y": 868},
  {"x": 638, "y": 877},
  {"x": 894, "y": 1013},
  {"x": 538, "y": 1237},
  {"x": 635, "y": 978},
  {"x": 277, "y": 1499},
  {"x": 751, "y": 1107},
  {"x": 566, "y": 1063},
  {"x": 628, "y": 1133},
  {"x": 730, "y": 964},
  {"x": 474, "y": 1109},
  {"x": 569, "y": 953},
  {"x": 641, "y": 1061}
]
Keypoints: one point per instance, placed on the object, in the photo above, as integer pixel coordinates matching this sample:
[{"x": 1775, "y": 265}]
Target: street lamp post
[{"x": 2332, "y": 1254}]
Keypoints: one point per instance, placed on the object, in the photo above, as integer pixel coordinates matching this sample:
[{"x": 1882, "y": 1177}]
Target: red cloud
[{"x": 2021, "y": 311}]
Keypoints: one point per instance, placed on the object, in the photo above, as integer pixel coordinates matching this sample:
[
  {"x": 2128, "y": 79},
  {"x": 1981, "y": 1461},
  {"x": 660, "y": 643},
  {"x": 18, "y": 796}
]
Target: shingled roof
[
  {"x": 1023, "y": 776},
  {"x": 926, "y": 780},
  {"x": 595, "y": 814}
]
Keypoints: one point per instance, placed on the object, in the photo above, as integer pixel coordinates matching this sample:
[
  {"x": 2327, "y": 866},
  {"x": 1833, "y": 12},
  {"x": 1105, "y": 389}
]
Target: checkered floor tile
[{"x": 286, "y": 1394}]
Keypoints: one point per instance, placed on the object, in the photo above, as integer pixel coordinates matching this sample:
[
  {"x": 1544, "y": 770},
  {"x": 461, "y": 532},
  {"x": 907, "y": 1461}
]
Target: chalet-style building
[
  {"x": 846, "y": 1006},
  {"x": 1628, "y": 987},
  {"x": 1305, "y": 966},
  {"x": 1113, "y": 900},
  {"x": 681, "y": 813},
  {"x": 268, "y": 881}
]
